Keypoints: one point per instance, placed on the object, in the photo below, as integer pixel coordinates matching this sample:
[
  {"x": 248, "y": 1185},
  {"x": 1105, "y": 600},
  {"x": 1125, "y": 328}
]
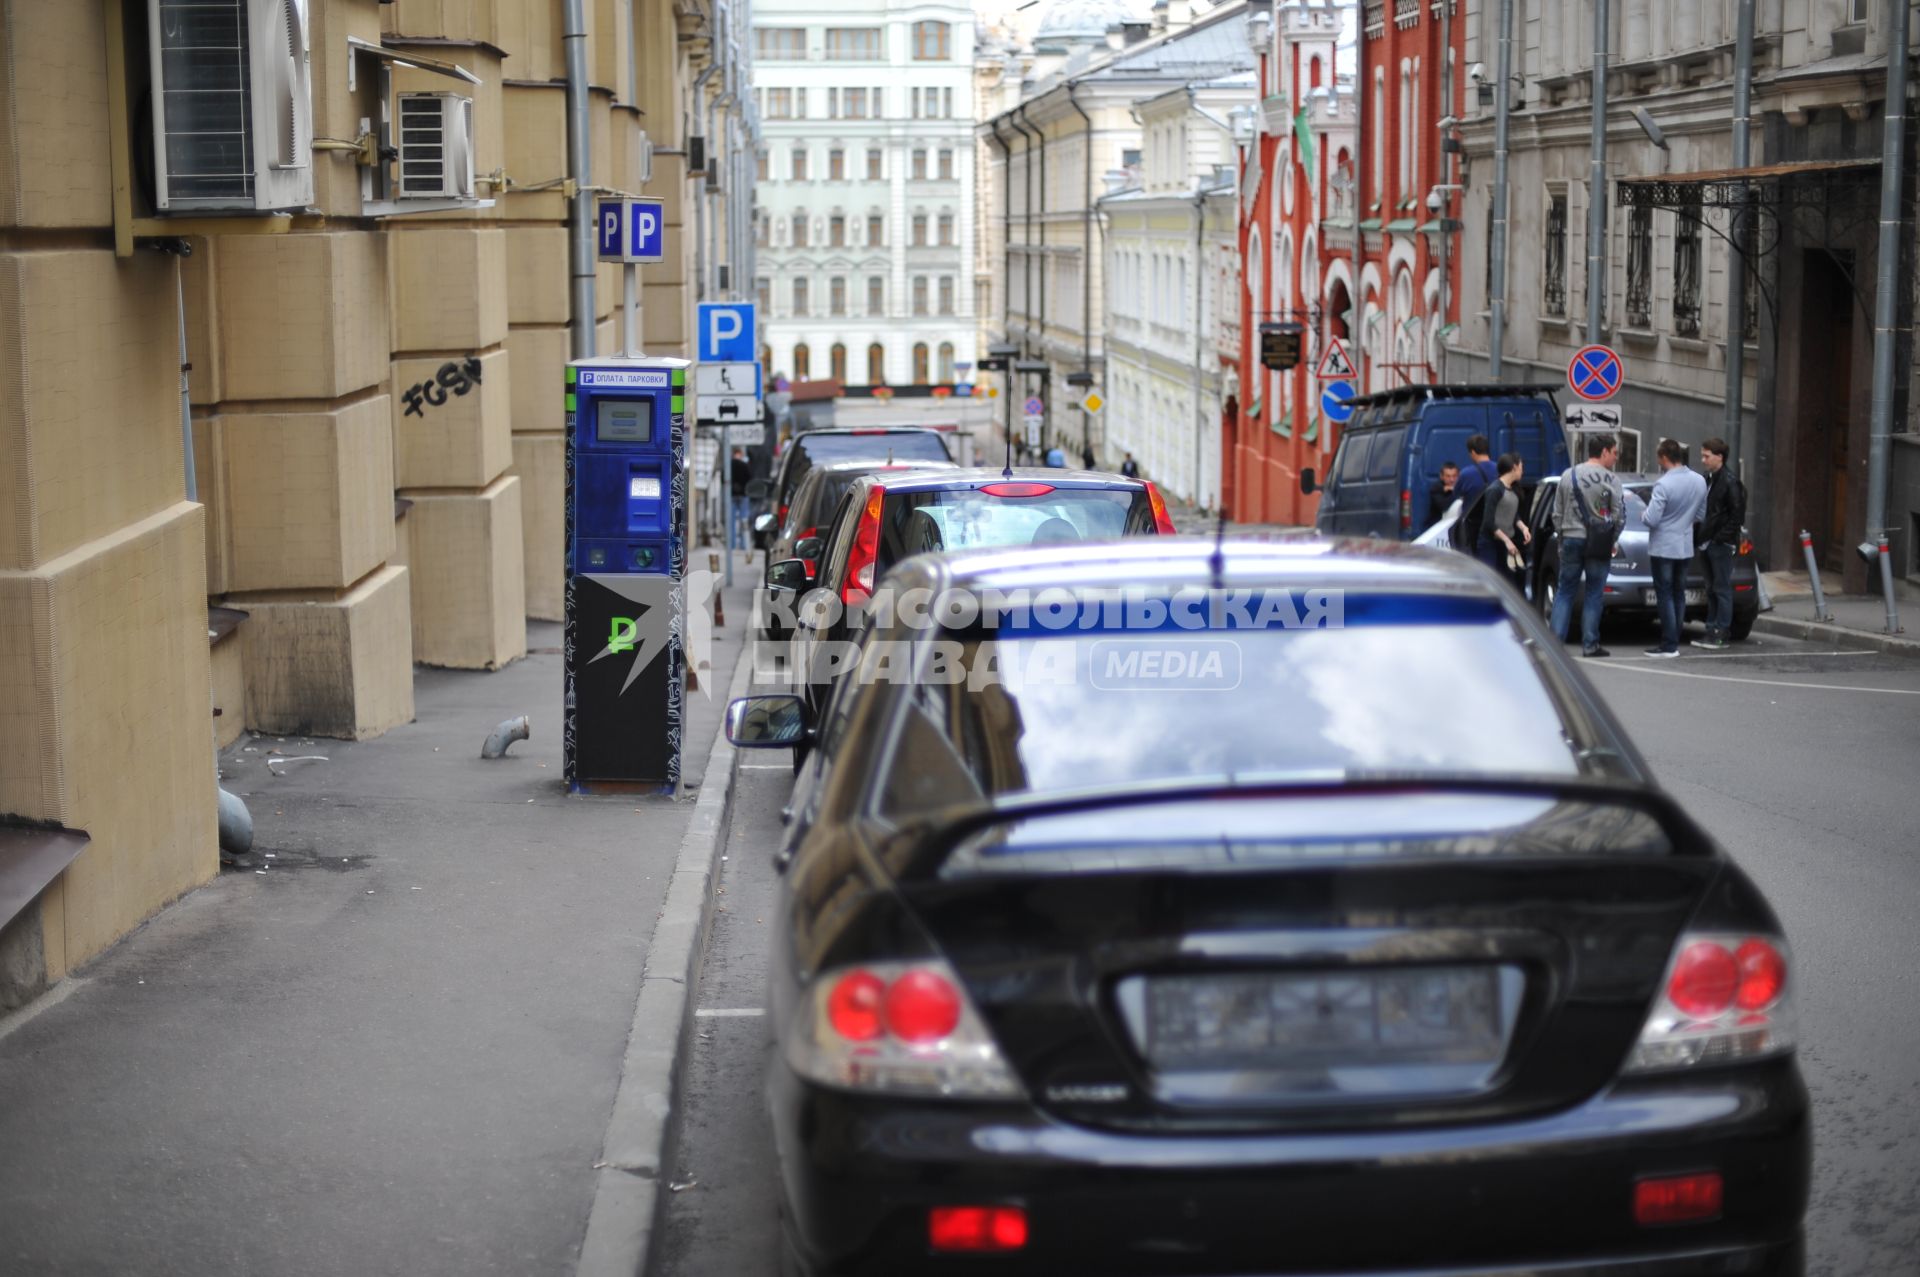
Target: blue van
[{"x": 1393, "y": 447}]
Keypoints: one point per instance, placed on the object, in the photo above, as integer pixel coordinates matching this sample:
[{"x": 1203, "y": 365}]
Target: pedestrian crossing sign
[{"x": 1335, "y": 365}]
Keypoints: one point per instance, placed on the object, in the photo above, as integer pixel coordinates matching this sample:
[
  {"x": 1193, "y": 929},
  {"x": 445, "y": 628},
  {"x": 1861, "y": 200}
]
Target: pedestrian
[
  {"x": 1086, "y": 456},
  {"x": 1502, "y": 531},
  {"x": 1129, "y": 467},
  {"x": 1441, "y": 494},
  {"x": 1056, "y": 458},
  {"x": 1592, "y": 512},
  {"x": 1476, "y": 474},
  {"x": 740, "y": 474},
  {"x": 1679, "y": 501},
  {"x": 1719, "y": 532}
]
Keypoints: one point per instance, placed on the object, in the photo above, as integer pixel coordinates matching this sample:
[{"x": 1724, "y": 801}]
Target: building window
[
  {"x": 946, "y": 230},
  {"x": 1686, "y": 272},
  {"x": 1856, "y": 12},
  {"x": 876, "y": 295},
  {"x": 946, "y": 165},
  {"x": 763, "y": 292},
  {"x": 762, "y": 230},
  {"x": 919, "y": 239},
  {"x": 837, "y": 231},
  {"x": 876, "y": 365},
  {"x": 837, "y": 363},
  {"x": 873, "y": 165},
  {"x": 931, "y": 42},
  {"x": 837, "y": 295},
  {"x": 920, "y": 363},
  {"x": 946, "y": 361},
  {"x": 1130, "y": 158},
  {"x": 762, "y": 164},
  {"x": 946, "y": 296},
  {"x": 919, "y": 171},
  {"x": 919, "y": 294},
  {"x": 876, "y": 231},
  {"x": 779, "y": 104},
  {"x": 853, "y": 44},
  {"x": 1750, "y": 262},
  {"x": 802, "y": 362},
  {"x": 780, "y": 44},
  {"x": 800, "y": 103},
  {"x": 855, "y": 103},
  {"x": 799, "y": 163},
  {"x": 837, "y": 165},
  {"x": 1640, "y": 267},
  {"x": 874, "y": 100},
  {"x": 802, "y": 306},
  {"x": 799, "y": 230},
  {"x": 913, "y": 97},
  {"x": 833, "y": 104},
  {"x": 1554, "y": 298}
]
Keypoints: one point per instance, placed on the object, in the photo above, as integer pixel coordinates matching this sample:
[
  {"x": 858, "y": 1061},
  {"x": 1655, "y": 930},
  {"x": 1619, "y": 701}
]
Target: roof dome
[{"x": 1082, "y": 19}]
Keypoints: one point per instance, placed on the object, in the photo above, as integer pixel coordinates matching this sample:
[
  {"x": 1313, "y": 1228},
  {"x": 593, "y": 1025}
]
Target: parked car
[
  {"x": 1392, "y": 449},
  {"x": 883, "y": 444},
  {"x": 811, "y": 506},
  {"x": 1629, "y": 589},
  {"x": 1294, "y": 968}
]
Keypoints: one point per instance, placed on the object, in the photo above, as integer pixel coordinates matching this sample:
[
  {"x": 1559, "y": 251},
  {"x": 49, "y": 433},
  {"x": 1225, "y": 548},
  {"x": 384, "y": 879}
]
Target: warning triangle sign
[{"x": 1335, "y": 364}]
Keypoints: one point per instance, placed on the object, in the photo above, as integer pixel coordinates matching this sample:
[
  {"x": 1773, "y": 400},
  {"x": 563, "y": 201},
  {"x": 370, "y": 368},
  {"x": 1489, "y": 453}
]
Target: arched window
[
  {"x": 946, "y": 361},
  {"x": 920, "y": 363},
  {"x": 837, "y": 360},
  {"x": 876, "y": 365},
  {"x": 1313, "y": 72},
  {"x": 802, "y": 362}
]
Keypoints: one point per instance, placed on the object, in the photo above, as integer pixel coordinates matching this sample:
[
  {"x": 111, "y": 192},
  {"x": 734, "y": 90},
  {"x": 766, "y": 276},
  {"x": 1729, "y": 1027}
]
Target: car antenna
[
  {"x": 1217, "y": 562},
  {"x": 1008, "y": 472}
]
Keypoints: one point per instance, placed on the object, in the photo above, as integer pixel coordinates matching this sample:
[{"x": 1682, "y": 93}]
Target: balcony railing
[
  {"x": 1374, "y": 17},
  {"x": 1406, "y": 13}
]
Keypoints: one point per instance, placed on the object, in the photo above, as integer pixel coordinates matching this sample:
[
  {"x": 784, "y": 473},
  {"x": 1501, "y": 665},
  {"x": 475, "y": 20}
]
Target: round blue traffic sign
[
  {"x": 1595, "y": 373},
  {"x": 1336, "y": 401}
]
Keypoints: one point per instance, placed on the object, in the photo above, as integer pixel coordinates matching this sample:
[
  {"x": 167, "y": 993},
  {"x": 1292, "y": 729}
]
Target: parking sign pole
[{"x": 630, "y": 313}]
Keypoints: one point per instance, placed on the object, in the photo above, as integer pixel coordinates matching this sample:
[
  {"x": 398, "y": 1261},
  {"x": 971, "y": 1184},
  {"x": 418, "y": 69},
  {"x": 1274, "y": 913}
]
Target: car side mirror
[
  {"x": 767, "y": 722},
  {"x": 757, "y": 489},
  {"x": 788, "y": 574},
  {"x": 808, "y": 548},
  {"x": 1306, "y": 481},
  {"x": 763, "y": 523}
]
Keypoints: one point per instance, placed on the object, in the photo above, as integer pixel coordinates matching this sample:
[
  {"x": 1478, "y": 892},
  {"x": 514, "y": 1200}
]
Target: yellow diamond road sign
[{"x": 1093, "y": 402}]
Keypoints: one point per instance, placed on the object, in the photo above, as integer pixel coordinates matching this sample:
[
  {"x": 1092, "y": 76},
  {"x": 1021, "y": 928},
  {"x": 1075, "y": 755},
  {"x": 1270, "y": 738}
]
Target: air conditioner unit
[
  {"x": 436, "y": 146},
  {"x": 232, "y": 105}
]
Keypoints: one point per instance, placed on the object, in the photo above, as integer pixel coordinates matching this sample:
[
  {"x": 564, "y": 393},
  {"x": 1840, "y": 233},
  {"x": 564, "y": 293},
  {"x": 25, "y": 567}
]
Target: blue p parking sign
[
  {"x": 726, "y": 333},
  {"x": 632, "y": 230}
]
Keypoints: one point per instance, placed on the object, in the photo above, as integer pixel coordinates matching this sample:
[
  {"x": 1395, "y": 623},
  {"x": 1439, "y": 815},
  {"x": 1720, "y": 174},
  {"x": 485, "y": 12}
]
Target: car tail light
[
  {"x": 900, "y": 1027},
  {"x": 782, "y": 516},
  {"x": 1017, "y": 489},
  {"x": 864, "y": 553},
  {"x": 804, "y": 533},
  {"x": 1406, "y": 510},
  {"x": 1678, "y": 1199},
  {"x": 977, "y": 1228},
  {"x": 1746, "y": 545},
  {"x": 1726, "y": 997},
  {"x": 1162, "y": 521}
]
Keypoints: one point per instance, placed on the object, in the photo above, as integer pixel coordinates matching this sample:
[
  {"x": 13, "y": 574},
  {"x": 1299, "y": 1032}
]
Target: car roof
[
  {"x": 804, "y": 435},
  {"x": 858, "y": 466},
  {"x": 1303, "y": 560},
  {"x": 1426, "y": 393},
  {"x": 931, "y": 478}
]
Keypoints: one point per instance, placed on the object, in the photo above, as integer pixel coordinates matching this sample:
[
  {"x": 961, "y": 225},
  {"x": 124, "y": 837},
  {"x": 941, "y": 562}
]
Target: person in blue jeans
[
  {"x": 1600, "y": 492},
  {"x": 1720, "y": 530},
  {"x": 1679, "y": 501}
]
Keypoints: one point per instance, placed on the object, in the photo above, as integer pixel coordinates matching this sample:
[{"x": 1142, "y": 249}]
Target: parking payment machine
[{"x": 626, "y": 570}]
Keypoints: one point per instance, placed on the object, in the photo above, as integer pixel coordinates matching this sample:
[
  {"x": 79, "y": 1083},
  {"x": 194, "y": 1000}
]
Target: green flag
[{"x": 1304, "y": 136}]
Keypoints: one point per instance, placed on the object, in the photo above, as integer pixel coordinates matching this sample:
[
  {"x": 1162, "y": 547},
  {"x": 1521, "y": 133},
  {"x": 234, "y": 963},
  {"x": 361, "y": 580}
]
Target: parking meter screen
[{"x": 624, "y": 421}]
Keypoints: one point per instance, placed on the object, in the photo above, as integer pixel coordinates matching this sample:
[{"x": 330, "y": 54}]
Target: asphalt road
[{"x": 1803, "y": 761}]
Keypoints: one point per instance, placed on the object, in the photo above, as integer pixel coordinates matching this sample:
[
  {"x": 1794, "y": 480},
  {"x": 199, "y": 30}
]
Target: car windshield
[
  {"x": 879, "y": 445},
  {"x": 972, "y": 518},
  {"x": 1402, "y": 684}
]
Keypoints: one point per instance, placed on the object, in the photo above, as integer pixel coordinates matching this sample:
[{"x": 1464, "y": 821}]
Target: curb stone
[
  {"x": 1840, "y": 635},
  {"x": 629, "y": 1179}
]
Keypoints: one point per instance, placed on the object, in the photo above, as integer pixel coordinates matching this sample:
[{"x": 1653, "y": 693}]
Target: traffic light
[{"x": 1280, "y": 346}]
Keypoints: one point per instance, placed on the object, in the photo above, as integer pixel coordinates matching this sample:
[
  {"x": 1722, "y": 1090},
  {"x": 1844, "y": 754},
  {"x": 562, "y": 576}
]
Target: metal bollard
[
  {"x": 1886, "y": 584},
  {"x": 1820, "y": 612}
]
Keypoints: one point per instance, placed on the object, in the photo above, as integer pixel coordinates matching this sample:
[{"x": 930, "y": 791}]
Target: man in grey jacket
[
  {"x": 1679, "y": 500},
  {"x": 1599, "y": 491}
]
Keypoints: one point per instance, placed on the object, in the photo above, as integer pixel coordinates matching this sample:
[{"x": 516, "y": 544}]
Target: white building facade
[{"x": 866, "y": 216}]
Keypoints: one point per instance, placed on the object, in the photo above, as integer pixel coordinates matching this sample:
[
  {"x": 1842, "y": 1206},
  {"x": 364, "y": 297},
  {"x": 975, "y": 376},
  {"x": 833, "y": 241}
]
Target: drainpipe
[
  {"x": 1737, "y": 264},
  {"x": 1006, "y": 229},
  {"x": 700, "y": 250},
  {"x": 1018, "y": 121},
  {"x": 580, "y": 168},
  {"x": 1362, "y": 90},
  {"x": 1502, "y": 110},
  {"x": 1199, "y": 277},
  {"x": 1446, "y": 170},
  {"x": 724, "y": 104},
  {"x": 1086, "y": 236},
  {"x": 1886, "y": 294},
  {"x": 1597, "y": 182}
]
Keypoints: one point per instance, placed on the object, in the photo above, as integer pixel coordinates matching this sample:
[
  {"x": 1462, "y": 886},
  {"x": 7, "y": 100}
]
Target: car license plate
[
  {"x": 1329, "y": 1019},
  {"x": 1694, "y": 597}
]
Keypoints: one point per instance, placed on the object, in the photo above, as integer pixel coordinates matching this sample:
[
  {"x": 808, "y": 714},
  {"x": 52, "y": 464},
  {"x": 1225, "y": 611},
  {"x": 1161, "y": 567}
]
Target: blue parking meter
[{"x": 626, "y": 569}]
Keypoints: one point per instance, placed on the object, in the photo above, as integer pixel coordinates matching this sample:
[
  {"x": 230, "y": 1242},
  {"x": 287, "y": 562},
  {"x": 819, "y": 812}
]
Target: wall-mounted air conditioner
[
  {"x": 436, "y": 146},
  {"x": 232, "y": 105}
]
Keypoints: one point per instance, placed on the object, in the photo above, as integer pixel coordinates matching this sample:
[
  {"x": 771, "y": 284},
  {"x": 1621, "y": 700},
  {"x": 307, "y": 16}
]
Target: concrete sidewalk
[
  {"x": 391, "y": 1043},
  {"x": 1859, "y": 620}
]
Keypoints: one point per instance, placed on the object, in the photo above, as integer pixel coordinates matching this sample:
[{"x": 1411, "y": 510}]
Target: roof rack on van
[{"x": 1503, "y": 390}]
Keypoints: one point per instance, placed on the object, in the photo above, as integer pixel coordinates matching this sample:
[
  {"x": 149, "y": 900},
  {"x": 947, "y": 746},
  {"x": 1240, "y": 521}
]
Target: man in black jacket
[{"x": 1719, "y": 535}]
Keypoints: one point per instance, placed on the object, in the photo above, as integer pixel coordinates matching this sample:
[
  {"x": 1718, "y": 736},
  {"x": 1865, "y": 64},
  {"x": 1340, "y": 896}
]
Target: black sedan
[{"x": 1188, "y": 926}]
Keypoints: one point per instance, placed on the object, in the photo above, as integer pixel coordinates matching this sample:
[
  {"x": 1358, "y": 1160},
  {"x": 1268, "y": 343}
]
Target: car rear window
[
  {"x": 878, "y": 446},
  {"x": 1385, "y": 463},
  {"x": 971, "y": 518},
  {"x": 1352, "y": 464},
  {"x": 1407, "y": 684}
]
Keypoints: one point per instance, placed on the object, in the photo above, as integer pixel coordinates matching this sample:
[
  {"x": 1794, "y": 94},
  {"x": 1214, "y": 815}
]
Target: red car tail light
[
  {"x": 1162, "y": 521},
  {"x": 1726, "y": 998},
  {"x": 922, "y": 1007},
  {"x": 1017, "y": 489},
  {"x": 905, "y": 1028},
  {"x": 977, "y": 1228},
  {"x": 864, "y": 553},
  {"x": 1746, "y": 546},
  {"x": 1406, "y": 510},
  {"x": 1678, "y": 1199},
  {"x": 853, "y": 1007}
]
